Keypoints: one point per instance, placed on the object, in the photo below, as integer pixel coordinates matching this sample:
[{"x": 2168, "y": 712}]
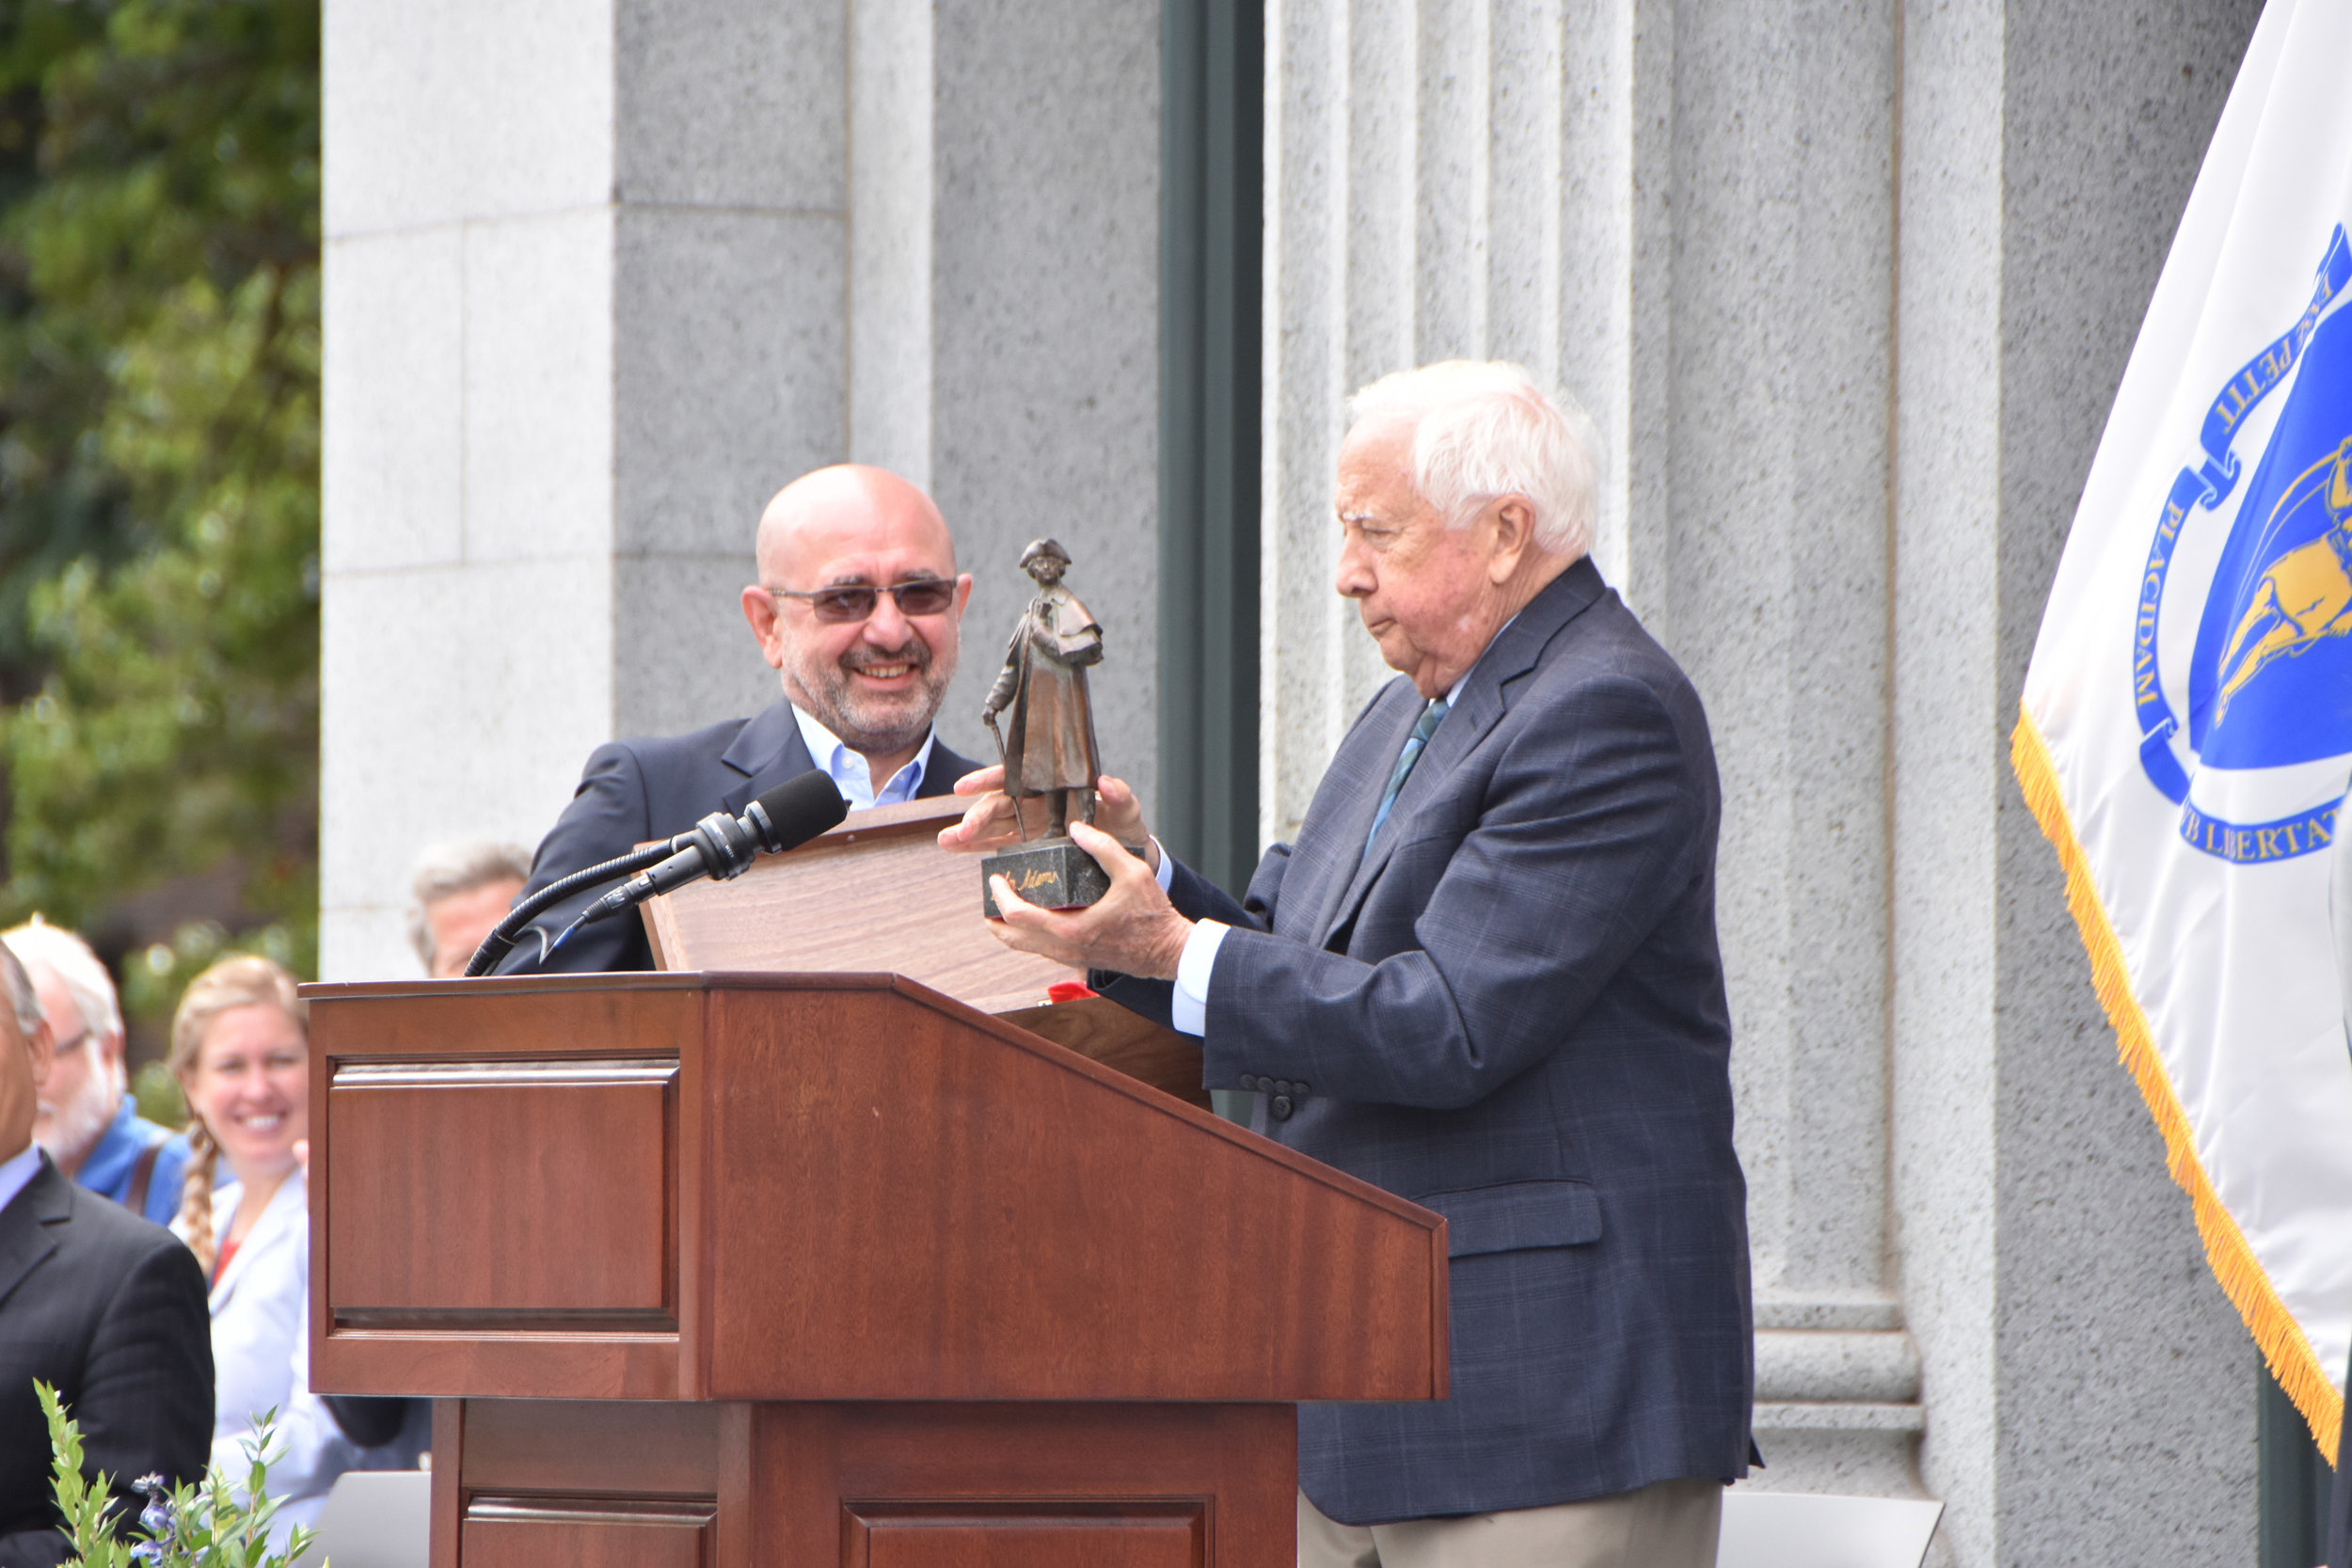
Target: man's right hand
[{"x": 989, "y": 824}]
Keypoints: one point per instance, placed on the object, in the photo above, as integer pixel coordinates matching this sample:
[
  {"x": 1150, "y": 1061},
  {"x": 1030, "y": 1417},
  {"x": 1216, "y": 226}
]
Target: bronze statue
[
  {"x": 1050, "y": 750},
  {"x": 1048, "y": 740}
]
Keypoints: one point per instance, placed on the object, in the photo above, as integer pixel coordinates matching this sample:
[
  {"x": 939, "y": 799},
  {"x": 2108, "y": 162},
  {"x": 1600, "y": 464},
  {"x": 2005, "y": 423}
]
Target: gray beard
[
  {"x": 869, "y": 726},
  {"x": 74, "y": 1129}
]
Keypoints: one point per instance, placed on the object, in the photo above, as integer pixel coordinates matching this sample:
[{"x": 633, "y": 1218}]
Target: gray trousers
[{"x": 1669, "y": 1524}]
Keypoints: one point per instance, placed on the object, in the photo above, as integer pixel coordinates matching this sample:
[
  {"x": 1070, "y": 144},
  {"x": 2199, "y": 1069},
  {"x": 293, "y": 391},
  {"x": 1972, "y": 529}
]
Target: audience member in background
[
  {"x": 240, "y": 1047},
  {"x": 103, "y": 1306},
  {"x": 90, "y": 1124},
  {"x": 460, "y": 892}
]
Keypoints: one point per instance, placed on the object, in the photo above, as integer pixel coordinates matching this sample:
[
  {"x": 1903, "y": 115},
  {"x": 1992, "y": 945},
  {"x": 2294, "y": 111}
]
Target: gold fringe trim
[{"x": 2284, "y": 1345}]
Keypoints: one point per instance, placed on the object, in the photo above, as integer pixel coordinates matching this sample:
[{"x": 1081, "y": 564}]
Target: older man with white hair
[
  {"x": 88, "y": 1123},
  {"x": 1486, "y": 977}
]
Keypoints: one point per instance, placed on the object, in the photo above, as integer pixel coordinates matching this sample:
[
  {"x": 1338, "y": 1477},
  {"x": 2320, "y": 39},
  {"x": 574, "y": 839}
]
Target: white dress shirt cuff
[{"x": 1189, "y": 1008}]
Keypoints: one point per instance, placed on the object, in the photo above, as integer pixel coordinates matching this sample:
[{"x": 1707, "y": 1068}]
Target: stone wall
[{"x": 601, "y": 277}]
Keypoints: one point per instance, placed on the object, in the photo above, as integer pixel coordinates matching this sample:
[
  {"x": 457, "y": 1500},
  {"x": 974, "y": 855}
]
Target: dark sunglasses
[{"x": 855, "y": 601}]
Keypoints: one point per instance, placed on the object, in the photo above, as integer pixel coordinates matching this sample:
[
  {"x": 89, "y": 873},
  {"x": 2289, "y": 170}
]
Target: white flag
[{"x": 2187, "y": 732}]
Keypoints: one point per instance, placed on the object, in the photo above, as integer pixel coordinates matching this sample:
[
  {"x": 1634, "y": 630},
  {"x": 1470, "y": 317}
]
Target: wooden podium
[{"x": 830, "y": 1271}]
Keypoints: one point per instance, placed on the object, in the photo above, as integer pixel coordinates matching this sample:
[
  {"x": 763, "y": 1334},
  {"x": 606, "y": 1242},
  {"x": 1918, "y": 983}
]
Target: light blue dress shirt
[
  {"x": 849, "y": 770},
  {"x": 16, "y": 1171}
]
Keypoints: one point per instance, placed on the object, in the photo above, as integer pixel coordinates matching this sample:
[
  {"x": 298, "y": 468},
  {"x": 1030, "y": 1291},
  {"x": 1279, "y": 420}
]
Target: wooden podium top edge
[
  {"x": 906, "y": 817},
  {"x": 914, "y": 991},
  {"x": 642, "y": 980}
]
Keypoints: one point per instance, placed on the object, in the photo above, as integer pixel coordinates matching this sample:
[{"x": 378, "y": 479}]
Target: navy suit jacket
[
  {"x": 109, "y": 1310},
  {"x": 635, "y": 791},
  {"x": 1511, "y": 1009}
]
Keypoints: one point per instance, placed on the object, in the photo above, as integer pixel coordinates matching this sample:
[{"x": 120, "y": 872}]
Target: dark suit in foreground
[
  {"x": 109, "y": 1310},
  {"x": 1511, "y": 1009},
  {"x": 635, "y": 791}
]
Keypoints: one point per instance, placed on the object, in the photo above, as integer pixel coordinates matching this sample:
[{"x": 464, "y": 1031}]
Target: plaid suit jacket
[{"x": 1511, "y": 1009}]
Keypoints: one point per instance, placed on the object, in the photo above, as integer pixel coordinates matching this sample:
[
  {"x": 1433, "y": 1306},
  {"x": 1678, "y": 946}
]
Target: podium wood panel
[
  {"x": 899, "y": 1485},
  {"x": 1114, "y": 1537},
  {"x": 1147, "y": 1484},
  {"x": 876, "y": 893},
  {"x": 867, "y": 1191},
  {"x": 423, "y": 1145},
  {"x": 1022, "y": 1230},
  {"x": 583, "y": 1532},
  {"x": 737, "y": 1271}
]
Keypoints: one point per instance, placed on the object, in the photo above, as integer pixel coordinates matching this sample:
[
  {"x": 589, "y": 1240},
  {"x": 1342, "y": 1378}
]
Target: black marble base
[{"x": 1053, "y": 872}]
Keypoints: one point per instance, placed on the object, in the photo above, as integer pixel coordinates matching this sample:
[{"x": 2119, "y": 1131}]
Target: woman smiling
[{"x": 240, "y": 1047}]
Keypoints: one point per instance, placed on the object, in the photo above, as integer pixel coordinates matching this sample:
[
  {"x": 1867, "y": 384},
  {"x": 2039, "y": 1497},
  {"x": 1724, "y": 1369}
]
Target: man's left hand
[{"x": 1131, "y": 929}]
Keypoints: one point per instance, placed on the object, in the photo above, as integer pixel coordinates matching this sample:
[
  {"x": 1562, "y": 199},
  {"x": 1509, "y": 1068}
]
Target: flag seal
[{"x": 2271, "y": 665}]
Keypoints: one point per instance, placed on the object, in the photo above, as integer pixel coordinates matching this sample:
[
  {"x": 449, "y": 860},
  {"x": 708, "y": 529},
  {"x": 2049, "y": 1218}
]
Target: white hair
[
  {"x": 78, "y": 970},
  {"x": 22, "y": 1002},
  {"x": 1484, "y": 430},
  {"x": 447, "y": 870}
]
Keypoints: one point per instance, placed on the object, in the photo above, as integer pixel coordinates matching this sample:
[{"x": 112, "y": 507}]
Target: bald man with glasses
[{"x": 857, "y": 609}]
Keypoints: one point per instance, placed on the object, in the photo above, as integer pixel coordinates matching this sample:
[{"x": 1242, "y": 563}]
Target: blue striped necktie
[{"x": 1414, "y": 745}]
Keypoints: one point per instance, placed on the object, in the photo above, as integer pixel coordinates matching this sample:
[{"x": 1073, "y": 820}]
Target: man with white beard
[{"x": 89, "y": 1122}]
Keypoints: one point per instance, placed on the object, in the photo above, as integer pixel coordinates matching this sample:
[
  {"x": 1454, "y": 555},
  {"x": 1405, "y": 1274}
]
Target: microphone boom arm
[
  {"x": 507, "y": 932},
  {"x": 719, "y": 845}
]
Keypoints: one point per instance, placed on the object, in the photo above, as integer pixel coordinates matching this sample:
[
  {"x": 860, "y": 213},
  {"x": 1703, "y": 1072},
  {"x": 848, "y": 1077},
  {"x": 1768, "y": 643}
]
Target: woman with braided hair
[{"x": 240, "y": 1047}]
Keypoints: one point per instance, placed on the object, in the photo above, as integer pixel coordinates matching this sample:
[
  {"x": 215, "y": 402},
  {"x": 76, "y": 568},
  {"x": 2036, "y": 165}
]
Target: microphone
[{"x": 724, "y": 846}]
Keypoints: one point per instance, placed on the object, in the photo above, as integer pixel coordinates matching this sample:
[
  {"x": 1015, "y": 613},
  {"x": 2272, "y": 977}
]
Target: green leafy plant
[{"x": 217, "y": 1525}]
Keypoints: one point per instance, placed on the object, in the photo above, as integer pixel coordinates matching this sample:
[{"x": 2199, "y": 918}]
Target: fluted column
[
  {"x": 1599, "y": 190},
  {"x": 1845, "y": 288},
  {"x": 1458, "y": 179}
]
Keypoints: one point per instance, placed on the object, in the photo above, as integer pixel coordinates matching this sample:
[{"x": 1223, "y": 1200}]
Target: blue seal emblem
[{"x": 2270, "y": 673}]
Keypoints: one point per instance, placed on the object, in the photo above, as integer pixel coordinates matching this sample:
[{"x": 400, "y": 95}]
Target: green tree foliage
[{"x": 159, "y": 387}]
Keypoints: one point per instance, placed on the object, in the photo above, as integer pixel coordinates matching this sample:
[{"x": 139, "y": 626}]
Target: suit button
[
  {"x": 1250, "y": 1082},
  {"x": 1279, "y": 1107}
]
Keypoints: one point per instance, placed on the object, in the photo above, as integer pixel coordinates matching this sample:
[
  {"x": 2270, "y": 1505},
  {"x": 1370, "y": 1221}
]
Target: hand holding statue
[
  {"x": 1131, "y": 929},
  {"x": 995, "y": 821},
  {"x": 1051, "y": 780}
]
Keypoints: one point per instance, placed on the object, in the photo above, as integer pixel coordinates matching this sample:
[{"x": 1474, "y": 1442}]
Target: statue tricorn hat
[{"x": 1044, "y": 549}]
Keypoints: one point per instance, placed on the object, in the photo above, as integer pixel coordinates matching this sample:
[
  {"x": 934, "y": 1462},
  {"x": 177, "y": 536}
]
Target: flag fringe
[{"x": 2283, "y": 1345}]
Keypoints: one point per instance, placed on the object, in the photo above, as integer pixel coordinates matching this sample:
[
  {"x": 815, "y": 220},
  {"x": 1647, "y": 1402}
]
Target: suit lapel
[
  {"x": 1516, "y": 650},
  {"x": 767, "y": 750},
  {"x": 945, "y": 769},
  {"x": 25, "y": 1240},
  {"x": 1358, "y": 772}
]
